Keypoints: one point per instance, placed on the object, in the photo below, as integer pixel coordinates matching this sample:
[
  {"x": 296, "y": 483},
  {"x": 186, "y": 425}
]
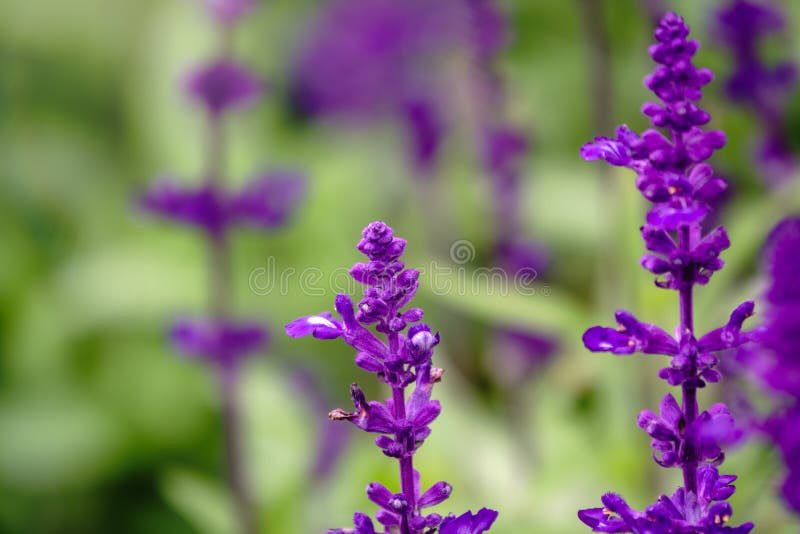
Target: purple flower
[
  {"x": 503, "y": 151},
  {"x": 469, "y": 523},
  {"x": 629, "y": 337},
  {"x": 367, "y": 61},
  {"x": 223, "y": 85},
  {"x": 265, "y": 202},
  {"x": 362, "y": 523},
  {"x": 615, "y": 152},
  {"x": 268, "y": 200},
  {"x": 371, "y": 57},
  {"x": 222, "y": 342},
  {"x": 322, "y": 326},
  {"x": 780, "y": 335},
  {"x": 201, "y": 206},
  {"x": 680, "y": 267},
  {"x": 228, "y": 12},
  {"x": 782, "y": 428},
  {"x": 742, "y": 26},
  {"x": 400, "y": 353},
  {"x": 673, "y": 176},
  {"x": 782, "y": 261},
  {"x": 779, "y": 340},
  {"x": 520, "y": 354},
  {"x": 682, "y": 513},
  {"x": 426, "y": 130},
  {"x": 676, "y": 442}
]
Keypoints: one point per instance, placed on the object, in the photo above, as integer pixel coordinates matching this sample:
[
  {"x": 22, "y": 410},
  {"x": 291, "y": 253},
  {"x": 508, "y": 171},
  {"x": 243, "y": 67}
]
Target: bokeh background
[{"x": 104, "y": 428}]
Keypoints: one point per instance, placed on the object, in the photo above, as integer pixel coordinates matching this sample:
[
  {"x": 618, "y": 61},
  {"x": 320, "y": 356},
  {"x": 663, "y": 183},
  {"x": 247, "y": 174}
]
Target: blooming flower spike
[
  {"x": 390, "y": 341},
  {"x": 672, "y": 174}
]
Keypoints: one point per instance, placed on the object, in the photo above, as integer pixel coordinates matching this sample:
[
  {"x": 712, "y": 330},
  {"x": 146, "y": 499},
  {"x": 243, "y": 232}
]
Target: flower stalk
[
  {"x": 399, "y": 353},
  {"x": 672, "y": 174}
]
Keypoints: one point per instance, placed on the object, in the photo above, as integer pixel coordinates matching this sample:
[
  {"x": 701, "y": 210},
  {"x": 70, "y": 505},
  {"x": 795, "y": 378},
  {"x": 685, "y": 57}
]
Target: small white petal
[{"x": 319, "y": 320}]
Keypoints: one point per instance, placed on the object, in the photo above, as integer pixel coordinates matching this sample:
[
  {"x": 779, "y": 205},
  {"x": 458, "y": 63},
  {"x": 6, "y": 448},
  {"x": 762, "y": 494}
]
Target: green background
[{"x": 103, "y": 428}]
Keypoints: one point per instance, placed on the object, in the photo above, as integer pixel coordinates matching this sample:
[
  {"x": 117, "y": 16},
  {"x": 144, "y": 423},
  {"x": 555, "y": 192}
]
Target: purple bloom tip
[{"x": 223, "y": 85}]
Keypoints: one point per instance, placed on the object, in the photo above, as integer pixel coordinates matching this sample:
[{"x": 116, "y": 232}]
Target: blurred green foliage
[{"x": 104, "y": 429}]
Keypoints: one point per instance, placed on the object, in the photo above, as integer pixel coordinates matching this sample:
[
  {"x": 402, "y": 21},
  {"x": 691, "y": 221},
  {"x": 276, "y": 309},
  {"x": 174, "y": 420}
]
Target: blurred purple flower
[
  {"x": 268, "y": 200},
  {"x": 779, "y": 343},
  {"x": 196, "y": 206},
  {"x": 223, "y": 85},
  {"x": 373, "y": 60},
  {"x": 503, "y": 151},
  {"x": 742, "y": 26},
  {"x": 264, "y": 202},
  {"x": 519, "y": 353},
  {"x": 426, "y": 132},
  {"x": 222, "y": 342}
]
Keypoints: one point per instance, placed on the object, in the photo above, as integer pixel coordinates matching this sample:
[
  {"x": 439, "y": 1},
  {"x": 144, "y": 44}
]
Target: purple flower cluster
[
  {"x": 399, "y": 352},
  {"x": 368, "y": 60},
  {"x": 780, "y": 340},
  {"x": 742, "y": 26},
  {"x": 672, "y": 174}
]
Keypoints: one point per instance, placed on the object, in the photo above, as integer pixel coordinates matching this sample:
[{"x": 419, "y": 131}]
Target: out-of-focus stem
[{"x": 219, "y": 307}]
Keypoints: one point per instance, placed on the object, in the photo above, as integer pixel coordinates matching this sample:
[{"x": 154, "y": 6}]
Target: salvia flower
[
  {"x": 703, "y": 513},
  {"x": 392, "y": 343},
  {"x": 779, "y": 342},
  {"x": 469, "y": 523},
  {"x": 265, "y": 202},
  {"x": 742, "y": 26},
  {"x": 672, "y": 174},
  {"x": 221, "y": 342},
  {"x": 223, "y": 85}
]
